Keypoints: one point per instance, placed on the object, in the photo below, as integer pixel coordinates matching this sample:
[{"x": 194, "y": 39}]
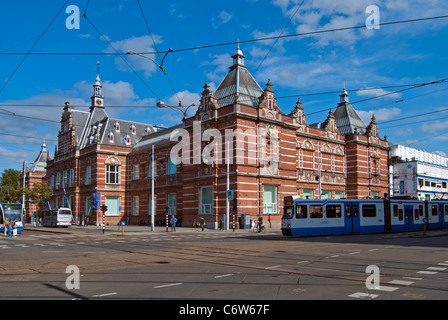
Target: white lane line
[
  {"x": 305, "y": 261},
  {"x": 355, "y": 252},
  {"x": 362, "y": 295},
  {"x": 273, "y": 267},
  {"x": 401, "y": 282},
  {"x": 413, "y": 278},
  {"x": 104, "y": 295},
  {"x": 385, "y": 288},
  {"x": 426, "y": 272},
  {"x": 168, "y": 285},
  {"x": 436, "y": 269},
  {"x": 224, "y": 275}
]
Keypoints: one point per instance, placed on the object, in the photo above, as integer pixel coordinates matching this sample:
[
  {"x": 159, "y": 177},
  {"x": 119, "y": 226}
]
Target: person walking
[
  {"x": 173, "y": 223},
  {"x": 202, "y": 223}
]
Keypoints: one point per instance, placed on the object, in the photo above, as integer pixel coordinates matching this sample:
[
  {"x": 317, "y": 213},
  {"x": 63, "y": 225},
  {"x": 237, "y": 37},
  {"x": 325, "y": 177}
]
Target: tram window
[
  {"x": 434, "y": 209},
  {"x": 400, "y": 214},
  {"x": 288, "y": 213},
  {"x": 334, "y": 211},
  {"x": 369, "y": 211},
  {"x": 446, "y": 210},
  {"x": 301, "y": 212},
  {"x": 420, "y": 209},
  {"x": 316, "y": 212},
  {"x": 416, "y": 214},
  {"x": 395, "y": 210}
]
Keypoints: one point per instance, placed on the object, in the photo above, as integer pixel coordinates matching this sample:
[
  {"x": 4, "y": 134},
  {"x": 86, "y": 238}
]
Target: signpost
[{"x": 103, "y": 209}]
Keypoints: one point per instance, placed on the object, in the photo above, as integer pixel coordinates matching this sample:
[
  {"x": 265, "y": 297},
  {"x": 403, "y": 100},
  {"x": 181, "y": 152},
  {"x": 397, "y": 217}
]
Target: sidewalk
[{"x": 137, "y": 230}]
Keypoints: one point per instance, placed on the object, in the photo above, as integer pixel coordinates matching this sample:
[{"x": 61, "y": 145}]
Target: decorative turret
[{"x": 97, "y": 98}]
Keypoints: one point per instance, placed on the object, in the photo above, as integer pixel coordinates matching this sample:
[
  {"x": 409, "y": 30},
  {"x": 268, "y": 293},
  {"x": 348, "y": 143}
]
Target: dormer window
[
  {"x": 117, "y": 126},
  {"x": 111, "y": 137},
  {"x": 127, "y": 140},
  {"x": 148, "y": 130},
  {"x": 133, "y": 129}
]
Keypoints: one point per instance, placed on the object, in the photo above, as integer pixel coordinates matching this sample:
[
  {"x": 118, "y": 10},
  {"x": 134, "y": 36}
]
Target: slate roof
[
  {"x": 346, "y": 117},
  {"x": 40, "y": 164},
  {"x": 238, "y": 82}
]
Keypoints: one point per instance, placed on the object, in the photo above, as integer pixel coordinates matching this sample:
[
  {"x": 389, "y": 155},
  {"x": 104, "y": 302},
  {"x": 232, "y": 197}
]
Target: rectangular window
[
  {"x": 112, "y": 204},
  {"x": 172, "y": 166},
  {"x": 88, "y": 175},
  {"x": 334, "y": 210},
  {"x": 315, "y": 211},
  {"x": 172, "y": 203},
  {"x": 135, "y": 205},
  {"x": 270, "y": 199},
  {"x": 434, "y": 209},
  {"x": 135, "y": 172},
  {"x": 301, "y": 212},
  {"x": 206, "y": 200},
  {"x": 71, "y": 182},
  {"x": 64, "y": 179},
  {"x": 51, "y": 183},
  {"x": 308, "y": 194},
  {"x": 369, "y": 210},
  {"x": 150, "y": 169},
  {"x": 88, "y": 206},
  {"x": 112, "y": 174},
  {"x": 58, "y": 180}
]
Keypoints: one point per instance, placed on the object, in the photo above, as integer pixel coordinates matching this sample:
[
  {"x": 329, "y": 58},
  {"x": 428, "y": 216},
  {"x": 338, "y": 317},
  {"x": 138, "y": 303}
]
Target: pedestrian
[
  {"x": 14, "y": 227},
  {"x": 173, "y": 223},
  {"x": 10, "y": 228},
  {"x": 5, "y": 226},
  {"x": 202, "y": 223}
]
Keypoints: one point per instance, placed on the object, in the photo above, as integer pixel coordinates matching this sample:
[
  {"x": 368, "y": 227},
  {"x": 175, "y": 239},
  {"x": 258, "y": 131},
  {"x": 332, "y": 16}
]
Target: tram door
[
  {"x": 408, "y": 218},
  {"x": 352, "y": 224}
]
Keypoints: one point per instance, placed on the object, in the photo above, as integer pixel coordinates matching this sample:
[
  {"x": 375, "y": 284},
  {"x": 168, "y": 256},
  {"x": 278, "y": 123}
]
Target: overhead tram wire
[
  {"x": 116, "y": 52},
  {"x": 234, "y": 42},
  {"x": 445, "y": 80},
  {"x": 158, "y": 53},
  {"x": 29, "y": 51},
  {"x": 278, "y": 37}
]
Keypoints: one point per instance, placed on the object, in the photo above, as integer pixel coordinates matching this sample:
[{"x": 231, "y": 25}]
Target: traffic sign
[{"x": 230, "y": 194}]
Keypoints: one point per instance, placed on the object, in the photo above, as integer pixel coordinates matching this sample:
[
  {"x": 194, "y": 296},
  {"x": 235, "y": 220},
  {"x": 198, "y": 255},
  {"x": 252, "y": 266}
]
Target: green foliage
[{"x": 11, "y": 186}]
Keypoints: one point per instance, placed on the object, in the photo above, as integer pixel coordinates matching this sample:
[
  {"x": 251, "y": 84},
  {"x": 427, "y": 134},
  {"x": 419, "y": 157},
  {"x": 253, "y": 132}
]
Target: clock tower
[{"x": 97, "y": 98}]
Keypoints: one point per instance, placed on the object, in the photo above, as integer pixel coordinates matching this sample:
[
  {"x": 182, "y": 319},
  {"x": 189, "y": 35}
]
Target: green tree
[
  {"x": 11, "y": 186},
  {"x": 40, "y": 192}
]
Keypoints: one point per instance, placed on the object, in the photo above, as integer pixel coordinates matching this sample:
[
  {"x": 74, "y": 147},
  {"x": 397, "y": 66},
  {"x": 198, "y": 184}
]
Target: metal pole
[
  {"x": 320, "y": 182},
  {"x": 152, "y": 190},
  {"x": 228, "y": 187}
]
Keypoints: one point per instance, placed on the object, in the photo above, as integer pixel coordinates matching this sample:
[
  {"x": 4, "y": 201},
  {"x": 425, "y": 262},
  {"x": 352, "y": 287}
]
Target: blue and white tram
[
  {"x": 313, "y": 217},
  {"x": 305, "y": 217}
]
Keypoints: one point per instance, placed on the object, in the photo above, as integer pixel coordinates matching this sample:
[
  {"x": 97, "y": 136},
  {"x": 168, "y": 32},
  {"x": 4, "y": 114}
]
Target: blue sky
[{"x": 402, "y": 54}]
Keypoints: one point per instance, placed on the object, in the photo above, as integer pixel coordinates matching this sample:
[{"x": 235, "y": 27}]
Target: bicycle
[{"x": 257, "y": 230}]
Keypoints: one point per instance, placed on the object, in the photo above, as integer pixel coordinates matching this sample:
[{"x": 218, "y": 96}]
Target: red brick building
[
  {"x": 238, "y": 140},
  {"x": 271, "y": 155}
]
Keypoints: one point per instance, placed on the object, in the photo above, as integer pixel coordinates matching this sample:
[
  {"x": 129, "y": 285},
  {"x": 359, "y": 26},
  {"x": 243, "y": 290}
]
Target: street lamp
[
  {"x": 162, "y": 104},
  {"x": 159, "y": 65}
]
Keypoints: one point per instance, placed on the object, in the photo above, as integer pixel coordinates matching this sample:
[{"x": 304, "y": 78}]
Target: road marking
[
  {"x": 355, "y": 252},
  {"x": 375, "y": 249},
  {"x": 443, "y": 264},
  {"x": 426, "y": 272},
  {"x": 401, "y": 282},
  {"x": 335, "y": 256},
  {"x": 273, "y": 267},
  {"x": 412, "y": 278},
  {"x": 385, "y": 288},
  {"x": 168, "y": 285},
  {"x": 363, "y": 295},
  {"x": 305, "y": 261},
  {"x": 104, "y": 294},
  {"x": 224, "y": 275},
  {"x": 436, "y": 268}
]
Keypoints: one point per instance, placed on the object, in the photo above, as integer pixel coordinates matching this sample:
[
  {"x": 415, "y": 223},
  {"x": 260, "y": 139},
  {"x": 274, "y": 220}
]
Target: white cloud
[
  {"x": 138, "y": 63},
  {"x": 380, "y": 114},
  {"x": 434, "y": 127},
  {"x": 222, "y": 18},
  {"x": 378, "y": 92}
]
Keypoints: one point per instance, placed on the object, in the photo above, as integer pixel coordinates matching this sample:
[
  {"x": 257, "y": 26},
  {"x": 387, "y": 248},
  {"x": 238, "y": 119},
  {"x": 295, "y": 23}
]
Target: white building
[{"x": 418, "y": 174}]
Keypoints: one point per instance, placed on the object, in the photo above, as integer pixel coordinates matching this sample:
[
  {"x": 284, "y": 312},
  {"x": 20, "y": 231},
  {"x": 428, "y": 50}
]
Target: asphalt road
[{"x": 221, "y": 265}]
